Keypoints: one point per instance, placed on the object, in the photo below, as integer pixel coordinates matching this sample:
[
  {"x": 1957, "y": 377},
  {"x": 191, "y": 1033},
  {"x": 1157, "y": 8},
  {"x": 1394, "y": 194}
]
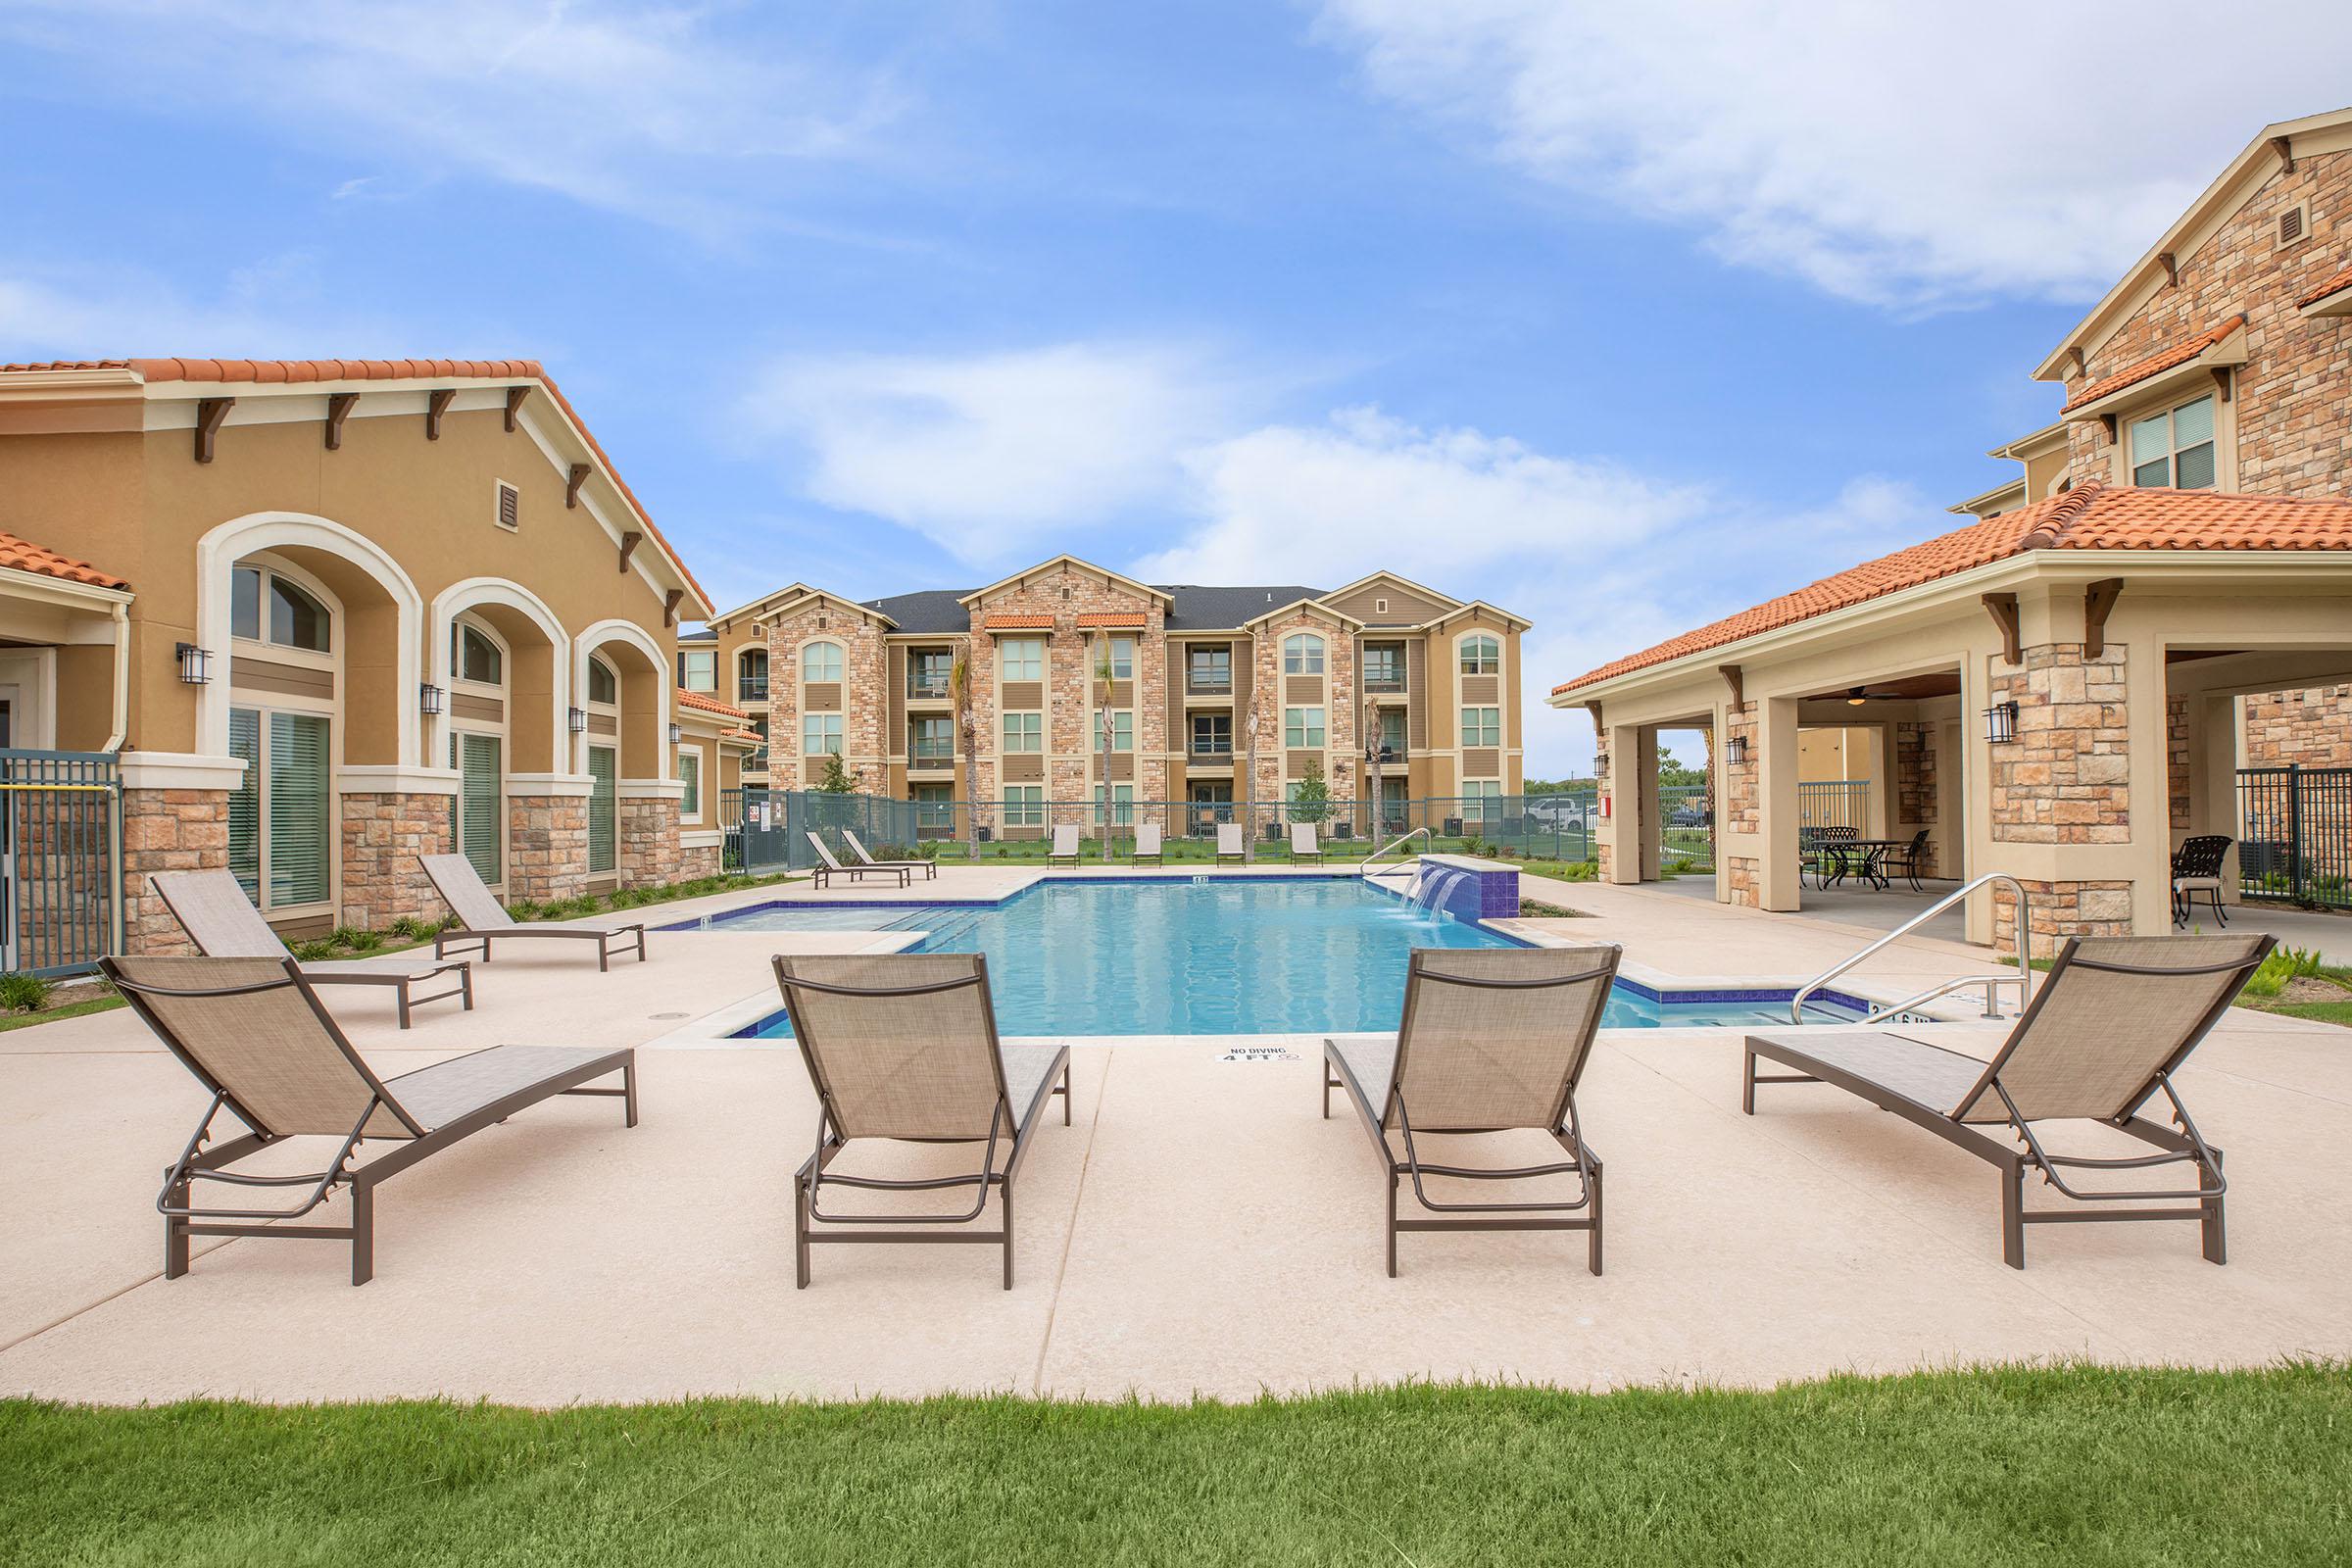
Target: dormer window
[{"x": 2174, "y": 450}]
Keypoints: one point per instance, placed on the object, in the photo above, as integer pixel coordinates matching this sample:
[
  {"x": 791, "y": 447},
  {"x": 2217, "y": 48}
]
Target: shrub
[
  {"x": 24, "y": 993},
  {"x": 2283, "y": 964},
  {"x": 361, "y": 941},
  {"x": 528, "y": 909},
  {"x": 409, "y": 928},
  {"x": 313, "y": 952}
]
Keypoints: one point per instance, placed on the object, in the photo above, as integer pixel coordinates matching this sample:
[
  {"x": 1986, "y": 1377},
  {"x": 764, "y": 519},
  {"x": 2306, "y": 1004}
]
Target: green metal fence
[
  {"x": 768, "y": 830},
  {"x": 60, "y": 847}
]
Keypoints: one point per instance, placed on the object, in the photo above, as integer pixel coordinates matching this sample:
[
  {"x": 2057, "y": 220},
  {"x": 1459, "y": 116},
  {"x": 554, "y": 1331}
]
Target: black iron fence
[
  {"x": 768, "y": 830},
  {"x": 2296, "y": 835},
  {"x": 60, "y": 845}
]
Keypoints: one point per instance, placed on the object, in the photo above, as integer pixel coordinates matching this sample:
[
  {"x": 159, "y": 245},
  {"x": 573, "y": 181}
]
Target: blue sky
[{"x": 1619, "y": 317}]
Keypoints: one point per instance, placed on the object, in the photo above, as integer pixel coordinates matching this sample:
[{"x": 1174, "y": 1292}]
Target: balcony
[
  {"x": 1209, "y": 754},
  {"x": 921, "y": 690},
  {"x": 750, "y": 689},
  {"x": 1207, "y": 686},
  {"x": 931, "y": 759},
  {"x": 1379, "y": 682}
]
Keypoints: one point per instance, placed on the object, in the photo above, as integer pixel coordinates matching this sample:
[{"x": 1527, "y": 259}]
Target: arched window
[
  {"x": 269, "y": 608},
  {"x": 821, "y": 661},
  {"x": 1303, "y": 655},
  {"x": 603, "y": 685},
  {"x": 1482, "y": 656},
  {"x": 473, "y": 657},
  {"x": 750, "y": 676}
]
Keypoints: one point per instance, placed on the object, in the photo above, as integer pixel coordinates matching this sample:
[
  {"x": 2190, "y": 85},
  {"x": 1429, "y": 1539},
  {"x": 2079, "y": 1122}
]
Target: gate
[
  {"x": 2294, "y": 829},
  {"x": 768, "y": 830},
  {"x": 60, "y": 844}
]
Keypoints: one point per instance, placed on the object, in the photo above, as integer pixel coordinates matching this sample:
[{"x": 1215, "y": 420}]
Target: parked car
[{"x": 1689, "y": 816}]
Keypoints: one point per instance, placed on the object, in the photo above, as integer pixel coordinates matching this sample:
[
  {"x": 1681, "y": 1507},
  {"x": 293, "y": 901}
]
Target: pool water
[{"x": 1218, "y": 957}]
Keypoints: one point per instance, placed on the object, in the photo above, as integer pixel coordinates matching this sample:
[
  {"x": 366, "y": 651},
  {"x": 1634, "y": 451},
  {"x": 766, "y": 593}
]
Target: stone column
[
  {"x": 174, "y": 818},
  {"x": 1777, "y": 871},
  {"x": 2064, "y": 784},
  {"x": 648, "y": 855},
  {"x": 547, "y": 835},
  {"x": 391, "y": 815}
]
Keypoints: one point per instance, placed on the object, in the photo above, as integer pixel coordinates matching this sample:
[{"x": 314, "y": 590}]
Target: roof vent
[
  {"x": 2294, "y": 224},
  {"x": 510, "y": 508}
]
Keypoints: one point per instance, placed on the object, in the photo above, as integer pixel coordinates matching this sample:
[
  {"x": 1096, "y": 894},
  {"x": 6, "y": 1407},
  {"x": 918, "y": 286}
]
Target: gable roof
[
  {"x": 22, "y": 555},
  {"x": 2156, "y": 364},
  {"x": 1201, "y": 608},
  {"x": 928, "y": 611},
  {"x": 2092, "y": 516},
  {"x": 2337, "y": 284},
  {"x": 287, "y": 373},
  {"x": 1063, "y": 560},
  {"x": 763, "y": 601}
]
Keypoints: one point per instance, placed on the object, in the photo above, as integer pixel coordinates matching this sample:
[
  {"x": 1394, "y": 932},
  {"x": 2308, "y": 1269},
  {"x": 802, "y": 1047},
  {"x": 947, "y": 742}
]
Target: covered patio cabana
[{"x": 2053, "y": 693}]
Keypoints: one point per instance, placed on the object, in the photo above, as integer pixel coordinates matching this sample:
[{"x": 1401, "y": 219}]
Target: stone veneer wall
[
  {"x": 1072, "y": 744},
  {"x": 1339, "y": 704},
  {"x": 1742, "y": 806},
  {"x": 2293, "y": 397},
  {"x": 382, "y": 835},
  {"x": 2175, "y": 761},
  {"x": 864, "y": 666},
  {"x": 2313, "y": 728},
  {"x": 166, "y": 830},
  {"x": 1600, "y": 780},
  {"x": 1745, "y": 877},
  {"x": 2062, "y": 909},
  {"x": 2065, "y": 780},
  {"x": 647, "y": 851},
  {"x": 547, "y": 846},
  {"x": 1915, "y": 783},
  {"x": 697, "y": 860}
]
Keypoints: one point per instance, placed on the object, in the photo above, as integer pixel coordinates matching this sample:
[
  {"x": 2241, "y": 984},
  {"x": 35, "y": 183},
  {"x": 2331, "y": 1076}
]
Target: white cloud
[
  {"x": 1916, "y": 155},
  {"x": 649, "y": 112},
  {"x": 991, "y": 454}
]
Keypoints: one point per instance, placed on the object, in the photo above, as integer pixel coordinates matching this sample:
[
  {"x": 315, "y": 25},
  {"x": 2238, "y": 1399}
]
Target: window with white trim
[
  {"x": 2174, "y": 450},
  {"x": 1482, "y": 726},
  {"x": 1302, "y": 729},
  {"x": 1481, "y": 656},
  {"x": 698, "y": 669},
  {"x": 1021, "y": 658},
  {"x": 690, "y": 774},
  {"x": 1025, "y": 733},
  {"x": 1303, "y": 655},
  {"x": 604, "y": 686},
  {"x": 473, "y": 657},
  {"x": 1122, "y": 658},
  {"x": 267, "y": 606},
  {"x": 820, "y": 733},
  {"x": 820, "y": 662},
  {"x": 281, "y": 816},
  {"x": 1025, "y": 805}
]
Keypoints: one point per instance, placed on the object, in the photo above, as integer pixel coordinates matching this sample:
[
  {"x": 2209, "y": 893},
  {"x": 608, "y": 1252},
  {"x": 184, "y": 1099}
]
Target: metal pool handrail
[
  {"x": 1402, "y": 838},
  {"x": 2023, "y": 979}
]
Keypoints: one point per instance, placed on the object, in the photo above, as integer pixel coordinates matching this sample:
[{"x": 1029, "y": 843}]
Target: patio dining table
[{"x": 1862, "y": 857}]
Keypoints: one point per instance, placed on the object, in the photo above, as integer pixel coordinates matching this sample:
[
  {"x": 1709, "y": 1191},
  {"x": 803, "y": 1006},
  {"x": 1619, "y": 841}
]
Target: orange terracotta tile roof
[
  {"x": 2333, "y": 285},
  {"x": 2094, "y": 516},
  {"x": 22, "y": 555},
  {"x": 742, "y": 735},
  {"x": 1115, "y": 618},
  {"x": 1019, "y": 623},
  {"x": 704, "y": 702},
  {"x": 303, "y": 372},
  {"x": 2154, "y": 364}
]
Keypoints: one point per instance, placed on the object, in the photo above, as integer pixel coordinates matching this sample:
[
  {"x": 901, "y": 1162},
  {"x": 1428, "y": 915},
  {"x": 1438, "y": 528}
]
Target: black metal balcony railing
[
  {"x": 750, "y": 689},
  {"x": 1220, "y": 751}
]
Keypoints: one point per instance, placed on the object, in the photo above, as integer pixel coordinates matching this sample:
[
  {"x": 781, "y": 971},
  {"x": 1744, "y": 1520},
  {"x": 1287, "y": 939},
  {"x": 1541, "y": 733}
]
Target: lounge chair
[
  {"x": 929, "y": 868},
  {"x": 1231, "y": 850},
  {"x": 483, "y": 919},
  {"x": 1305, "y": 846},
  {"x": 1493, "y": 1039},
  {"x": 2107, "y": 1029},
  {"x": 2198, "y": 868},
  {"x": 827, "y": 867},
  {"x": 213, "y": 909},
  {"x": 1064, "y": 850},
  {"x": 1146, "y": 846},
  {"x": 904, "y": 1046},
  {"x": 253, "y": 1033}
]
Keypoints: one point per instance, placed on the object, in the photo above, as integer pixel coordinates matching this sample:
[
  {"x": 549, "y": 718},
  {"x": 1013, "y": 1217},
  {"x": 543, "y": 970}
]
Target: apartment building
[
  {"x": 2222, "y": 362},
  {"x": 1382, "y": 677}
]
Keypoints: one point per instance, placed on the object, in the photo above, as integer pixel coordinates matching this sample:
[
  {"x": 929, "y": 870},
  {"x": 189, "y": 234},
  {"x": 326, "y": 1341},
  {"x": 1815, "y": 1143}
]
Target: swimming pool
[{"x": 1208, "y": 956}]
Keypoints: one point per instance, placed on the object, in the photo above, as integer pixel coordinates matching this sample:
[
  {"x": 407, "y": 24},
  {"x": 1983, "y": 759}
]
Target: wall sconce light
[
  {"x": 576, "y": 720},
  {"x": 676, "y": 734},
  {"x": 1734, "y": 751},
  {"x": 2000, "y": 723},
  {"x": 195, "y": 664},
  {"x": 429, "y": 699}
]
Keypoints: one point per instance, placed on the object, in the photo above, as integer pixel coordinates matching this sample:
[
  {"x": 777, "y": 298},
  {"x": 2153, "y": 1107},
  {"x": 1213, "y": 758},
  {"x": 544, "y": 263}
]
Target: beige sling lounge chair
[
  {"x": 1064, "y": 850},
  {"x": 213, "y": 909},
  {"x": 904, "y": 1046},
  {"x": 1146, "y": 846},
  {"x": 253, "y": 1032},
  {"x": 1231, "y": 851},
  {"x": 1493, "y": 1039},
  {"x": 1305, "y": 845},
  {"x": 827, "y": 867},
  {"x": 483, "y": 918},
  {"x": 2104, "y": 1034},
  {"x": 929, "y": 868}
]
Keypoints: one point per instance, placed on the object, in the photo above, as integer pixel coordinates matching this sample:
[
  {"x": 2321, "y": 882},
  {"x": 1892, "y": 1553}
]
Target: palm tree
[
  {"x": 959, "y": 695},
  {"x": 1105, "y": 679}
]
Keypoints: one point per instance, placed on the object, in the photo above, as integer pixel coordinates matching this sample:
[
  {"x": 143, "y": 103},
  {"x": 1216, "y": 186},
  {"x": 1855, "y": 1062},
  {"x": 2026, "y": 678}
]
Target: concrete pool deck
[{"x": 1198, "y": 1230}]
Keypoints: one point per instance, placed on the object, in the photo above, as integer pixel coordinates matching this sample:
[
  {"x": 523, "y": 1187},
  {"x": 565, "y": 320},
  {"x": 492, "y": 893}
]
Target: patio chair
[
  {"x": 1493, "y": 1039},
  {"x": 1064, "y": 850},
  {"x": 211, "y": 907},
  {"x": 2107, "y": 1030},
  {"x": 1305, "y": 846},
  {"x": 1231, "y": 850},
  {"x": 904, "y": 1047},
  {"x": 1834, "y": 854},
  {"x": 253, "y": 1033},
  {"x": 481, "y": 918},
  {"x": 827, "y": 867},
  {"x": 1146, "y": 846},
  {"x": 2198, "y": 868},
  {"x": 1907, "y": 859},
  {"x": 929, "y": 868}
]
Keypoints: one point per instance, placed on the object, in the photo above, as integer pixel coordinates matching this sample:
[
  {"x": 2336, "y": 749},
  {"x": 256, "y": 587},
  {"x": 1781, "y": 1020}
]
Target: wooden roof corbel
[
  {"x": 515, "y": 397},
  {"x": 436, "y": 404},
  {"x": 2098, "y": 599},
  {"x": 211, "y": 414},
  {"x": 338, "y": 408},
  {"x": 628, "y": 547},
  {"x": 2002, "y": 607},
  {"x": 571, "y": 486},
  {"x": 1732, "y": 678}
]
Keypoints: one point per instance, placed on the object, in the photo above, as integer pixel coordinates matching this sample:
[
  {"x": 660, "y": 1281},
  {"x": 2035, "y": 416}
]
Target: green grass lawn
[{"x": 2069, "y": 1465}]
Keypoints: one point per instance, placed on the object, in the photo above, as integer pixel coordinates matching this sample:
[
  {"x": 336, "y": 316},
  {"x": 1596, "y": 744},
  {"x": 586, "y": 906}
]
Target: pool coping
[{"x": 718, "y": 1029}]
